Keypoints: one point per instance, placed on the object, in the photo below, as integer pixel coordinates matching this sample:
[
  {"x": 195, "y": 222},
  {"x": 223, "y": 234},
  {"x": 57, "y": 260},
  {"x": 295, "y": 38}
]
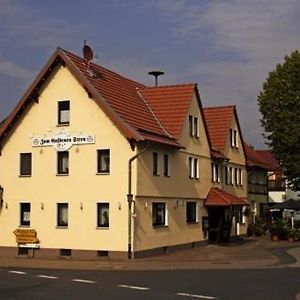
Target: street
[{"x": 272, "y": 283}]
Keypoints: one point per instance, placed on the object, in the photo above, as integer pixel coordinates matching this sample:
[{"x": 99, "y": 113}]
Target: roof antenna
[
  {"x": 156, "y": 74},
  {"x": 88, "y": 54}
]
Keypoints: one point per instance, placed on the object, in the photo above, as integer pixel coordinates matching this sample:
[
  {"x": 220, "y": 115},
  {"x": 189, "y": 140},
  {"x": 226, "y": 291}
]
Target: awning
[{"x": 219, "y": 197}]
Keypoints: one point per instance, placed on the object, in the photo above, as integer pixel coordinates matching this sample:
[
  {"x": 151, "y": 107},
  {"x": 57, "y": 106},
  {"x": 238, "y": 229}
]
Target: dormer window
[
  {"x": 193, "y": 126},
  {"x": 63, "y": 112},
  {"x": 234, "y": 138}
]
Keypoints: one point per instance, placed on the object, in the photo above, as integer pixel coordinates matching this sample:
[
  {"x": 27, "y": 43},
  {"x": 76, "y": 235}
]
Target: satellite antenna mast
[
  {"x": 156, "y": 74},
  {"x": 88, "y": 54}
]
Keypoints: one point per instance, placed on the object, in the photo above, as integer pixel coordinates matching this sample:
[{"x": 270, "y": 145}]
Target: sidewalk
[{"x": 255, "y": 252}]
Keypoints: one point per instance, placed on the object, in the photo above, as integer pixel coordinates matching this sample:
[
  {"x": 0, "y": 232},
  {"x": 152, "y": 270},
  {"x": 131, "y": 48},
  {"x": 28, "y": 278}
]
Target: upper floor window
[
  {"x": 63, "y": 162},
  {"x": 25, "y": 214},
  {"x": 102, "y": 214},
  {"x": 103, "y": 158},
  {"x": 62, "y": 214},
  {"x": 193, "y": 126},
  {"x": 215, "y": 172},
  {"x": 63, "y": 112},
  {"x": 166, "y": 165},
  {"x": 159, "y": 214},
  {"x": 226, "y": 170},
  {"x": 191, "y": 212},
  {"x": 25, "y": 164},
  {"x": 155, "y": 169},
  {"x": 233, "y": 138},
  {"x": 231, "y": 178},
  {"x": 194, "y": 167}
]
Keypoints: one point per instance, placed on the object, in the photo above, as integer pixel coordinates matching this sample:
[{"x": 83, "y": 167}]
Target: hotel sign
[{"x": 63, "y": 141}]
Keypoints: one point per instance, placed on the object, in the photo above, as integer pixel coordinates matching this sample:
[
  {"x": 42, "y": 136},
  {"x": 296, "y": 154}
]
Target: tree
[{"x": 279, "y": 103}]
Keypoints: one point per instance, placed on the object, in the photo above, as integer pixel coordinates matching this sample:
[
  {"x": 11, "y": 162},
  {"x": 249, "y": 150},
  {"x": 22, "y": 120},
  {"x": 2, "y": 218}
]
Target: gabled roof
[
  {"x": 270, "y": 159},
  {"x": 253, "y": 158},
  {"x": 219, "y": 197},
  {"x": 218, "y": 121},
  {"x": 119, "y": 97},
  {"x": 170, "y": 104}
]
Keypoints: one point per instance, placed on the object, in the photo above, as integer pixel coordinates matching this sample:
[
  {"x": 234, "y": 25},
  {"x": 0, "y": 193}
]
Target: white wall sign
[{"x": 63, "y": 141}]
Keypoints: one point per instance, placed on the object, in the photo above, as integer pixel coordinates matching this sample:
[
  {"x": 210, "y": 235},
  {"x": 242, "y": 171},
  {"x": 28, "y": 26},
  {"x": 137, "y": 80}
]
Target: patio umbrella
[{"x": 288, "y": 204}]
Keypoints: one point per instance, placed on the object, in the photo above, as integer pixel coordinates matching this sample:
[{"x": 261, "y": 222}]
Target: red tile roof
[
  {"x": 140, "y": 113},
  {"x": 218, "y": 121},
  {"x": 219, "y": 197},
  {"x": 170, "y": 104},
  {"x": 253, "y": 158},
  {"x": 270, "y": 159}
]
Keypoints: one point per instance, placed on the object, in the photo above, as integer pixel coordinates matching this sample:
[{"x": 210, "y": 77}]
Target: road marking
[
  {"x": 195, "y": 296},
  {"x": 17, "y": 272},
  {"x": 46, "y": 276},
  {"x": 141, "y": 288},
  {"x": 83, "y": 281}
]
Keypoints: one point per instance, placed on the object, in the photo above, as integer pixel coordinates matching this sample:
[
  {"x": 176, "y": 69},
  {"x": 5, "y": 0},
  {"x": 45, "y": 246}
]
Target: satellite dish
[{"x": 87, "y": 52}]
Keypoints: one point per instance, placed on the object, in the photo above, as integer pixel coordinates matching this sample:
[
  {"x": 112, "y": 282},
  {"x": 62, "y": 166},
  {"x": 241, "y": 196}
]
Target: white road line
[
  {"x": 17, "y": 272},
  {"x": 83, "y": 281},
  {"x": 141, "y": 288},
  {"x": 47, "y": 276},
  {"x": 195, "y": 296}
]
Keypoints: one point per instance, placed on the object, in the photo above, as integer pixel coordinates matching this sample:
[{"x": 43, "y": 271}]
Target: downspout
[{"x": 130, "y": 199}]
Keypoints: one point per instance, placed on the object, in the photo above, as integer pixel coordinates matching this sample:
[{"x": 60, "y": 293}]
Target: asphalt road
[{"x": 275, "y": 283}]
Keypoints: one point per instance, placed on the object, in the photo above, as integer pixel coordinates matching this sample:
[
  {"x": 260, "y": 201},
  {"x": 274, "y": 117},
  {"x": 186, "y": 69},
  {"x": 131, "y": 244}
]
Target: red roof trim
[{"x": 219, "y": 197}]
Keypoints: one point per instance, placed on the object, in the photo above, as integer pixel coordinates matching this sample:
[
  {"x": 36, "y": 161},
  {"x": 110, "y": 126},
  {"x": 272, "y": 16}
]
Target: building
[
  {"x": 226, "y": 201},
  {"x": 257, "y": 171},
  {"x": 94, "y": 164}
]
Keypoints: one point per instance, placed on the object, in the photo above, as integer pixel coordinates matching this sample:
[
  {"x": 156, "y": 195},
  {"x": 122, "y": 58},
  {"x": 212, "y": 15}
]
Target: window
[
  {"x": 193, "y": 126},
  {"x": 103, "y": 161},
  {"x": 215, "y": 172},
  {"x": 226, "y": 175},
  {"x": 191, "y": 212},
  {"x": 240, "y": 177},
  {"x": 231, "y": 176},
  {"x": 159, "y": 214},
  {"x": 196, "y": 168},
  {"x": 25, "y": 164},
  {"x": 193, "y": 168},
  {"x": 62, "y": 214},
  {"x": 196, "y": 127},
  {"x": 233, "y": 138},
  {"x": 236, "y": 178},
  {"x": 155, "y": 164},
  {"x": 63, "y": 112},
  {"x": 102, "y": 214},
  {"x": 191, "y": 129},
  {"x": 25, "y": 214},
  {"x": 63, "y": 162},
  {"x": 166, "y": 165}
]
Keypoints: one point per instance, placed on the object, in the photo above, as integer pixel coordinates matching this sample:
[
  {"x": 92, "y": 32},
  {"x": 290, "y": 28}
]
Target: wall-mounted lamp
[
  {"x": 81, "y": 206},
  {"x": 6, "y": 205},
  {"x": 1, "y": 195},
  {"x": 119, "y": 205},
  {"x": 146, "y": 205},
  {"x": 42, "y": 205}
]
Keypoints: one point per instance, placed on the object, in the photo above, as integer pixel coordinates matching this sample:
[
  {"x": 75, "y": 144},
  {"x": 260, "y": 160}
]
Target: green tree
[{"x": 279, "y": 103}]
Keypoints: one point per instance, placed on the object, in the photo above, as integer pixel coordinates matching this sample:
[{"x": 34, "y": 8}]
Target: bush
[
  {"x": 258, "y": 228},
  {"x": 281, "y": 229}
]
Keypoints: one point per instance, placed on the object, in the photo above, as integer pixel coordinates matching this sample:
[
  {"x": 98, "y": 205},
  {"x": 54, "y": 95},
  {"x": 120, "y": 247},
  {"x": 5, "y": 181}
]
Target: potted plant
[{"x": 279, "y": 230}]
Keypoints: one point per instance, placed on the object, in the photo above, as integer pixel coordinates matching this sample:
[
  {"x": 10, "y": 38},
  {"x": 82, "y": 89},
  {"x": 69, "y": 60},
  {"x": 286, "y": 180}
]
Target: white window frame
[
  {"x": 62, "y": 213},
  {"x": 103, "y": 207},
  {"x": 165, "y": 214}
]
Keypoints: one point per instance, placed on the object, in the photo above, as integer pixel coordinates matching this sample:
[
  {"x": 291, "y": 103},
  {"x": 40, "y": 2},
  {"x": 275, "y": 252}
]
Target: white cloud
[{"x": 10, "y": 69}]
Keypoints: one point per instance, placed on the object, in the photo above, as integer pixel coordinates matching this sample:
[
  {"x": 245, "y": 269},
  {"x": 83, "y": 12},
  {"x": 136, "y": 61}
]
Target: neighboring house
[
  {"x": 94, "y": 164},
  {"x": 227, "y": 199},
  {"x": 276, "y": 181},
  {"x": 257, "y": 182}
]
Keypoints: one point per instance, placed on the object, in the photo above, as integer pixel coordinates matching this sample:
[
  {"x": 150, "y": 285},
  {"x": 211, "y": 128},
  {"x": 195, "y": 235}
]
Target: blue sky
[{"x": 227, "y": 47}]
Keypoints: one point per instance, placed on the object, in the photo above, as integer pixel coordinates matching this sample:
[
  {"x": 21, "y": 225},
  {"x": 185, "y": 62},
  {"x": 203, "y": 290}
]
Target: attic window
[
  {"x": 193, "y": 126},
  {"x": 234, "y": 138},
  {"x": 63, "y": 112}
]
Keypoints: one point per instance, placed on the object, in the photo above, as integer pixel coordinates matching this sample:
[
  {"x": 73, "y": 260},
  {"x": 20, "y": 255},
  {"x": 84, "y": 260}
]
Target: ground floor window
[
  {"x": 62, "y": 214},
  {"x": 25, "y": 214},
  {"x": 159, "y": 214},
  {"x": 102, "y": 214},
  {"x": 191, "y": 212}
]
